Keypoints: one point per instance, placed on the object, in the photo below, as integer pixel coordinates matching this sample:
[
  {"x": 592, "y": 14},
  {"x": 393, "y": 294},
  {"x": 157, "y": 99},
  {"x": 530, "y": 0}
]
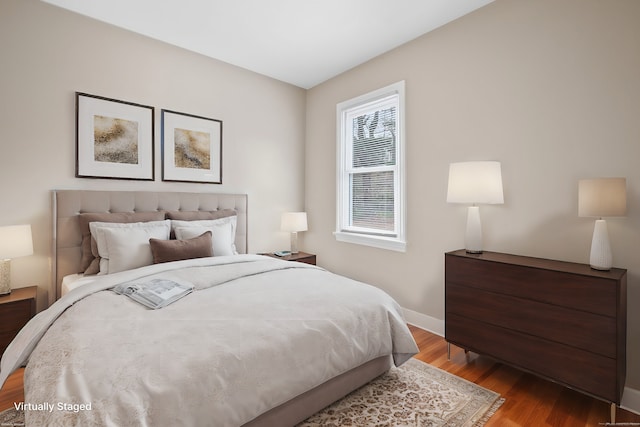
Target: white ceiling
[{"x": 302, "y": 42}]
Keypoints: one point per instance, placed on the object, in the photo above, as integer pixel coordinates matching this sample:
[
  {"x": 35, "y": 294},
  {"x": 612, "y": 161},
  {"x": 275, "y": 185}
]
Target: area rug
[{"x": 415, "y": 394}]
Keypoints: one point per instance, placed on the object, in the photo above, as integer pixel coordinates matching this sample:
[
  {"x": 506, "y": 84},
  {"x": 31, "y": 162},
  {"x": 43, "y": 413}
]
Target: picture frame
[
  {"x": 114, "y": 139},
  {"x": 191, "y": 148}
]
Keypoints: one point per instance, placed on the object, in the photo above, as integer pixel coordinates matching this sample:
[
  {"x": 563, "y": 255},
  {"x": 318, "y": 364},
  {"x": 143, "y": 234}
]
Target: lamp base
[
  {"x": 473, "y": 236},
  {"x": 601, "y": 257},
  {"x": 294, "y": 242},
  {"x": 5, "y": 276}
]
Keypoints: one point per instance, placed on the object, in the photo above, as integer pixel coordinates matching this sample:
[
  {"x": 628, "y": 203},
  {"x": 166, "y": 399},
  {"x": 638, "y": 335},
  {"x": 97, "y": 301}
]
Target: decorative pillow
[
  {"x": 89, "y": 263},
  {"x": 123, "y": 246},
  {"x": 223, "y": 233},
  {"x": 177, "y": 250},
  {"x": 198, "y": 216}
]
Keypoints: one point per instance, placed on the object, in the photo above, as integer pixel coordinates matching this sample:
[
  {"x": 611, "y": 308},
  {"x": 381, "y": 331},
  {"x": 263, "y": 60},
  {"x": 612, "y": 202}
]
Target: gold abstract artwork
[
  {"x": 115, "y": 140},
  {"x": 192, "y": 149}
]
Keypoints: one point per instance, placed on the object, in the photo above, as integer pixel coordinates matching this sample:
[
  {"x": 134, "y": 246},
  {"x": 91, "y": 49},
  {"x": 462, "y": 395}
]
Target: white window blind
[{"x": 370, "y": 200}]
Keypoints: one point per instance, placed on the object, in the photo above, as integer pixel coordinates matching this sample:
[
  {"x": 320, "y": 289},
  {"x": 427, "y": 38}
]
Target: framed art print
[
  {"x": 191, "y": 148},
  {"x": 114, "y": 139}
]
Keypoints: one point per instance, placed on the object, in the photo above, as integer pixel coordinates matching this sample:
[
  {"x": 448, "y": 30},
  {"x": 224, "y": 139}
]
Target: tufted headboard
[{"x": 67, "y": 204}]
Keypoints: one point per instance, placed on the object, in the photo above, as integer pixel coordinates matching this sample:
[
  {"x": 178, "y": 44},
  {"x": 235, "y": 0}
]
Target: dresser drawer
[
  {"x": 580, "y": 329},
  {"x": 594, "y": 295},
  {"x": 549, "y": 359}
]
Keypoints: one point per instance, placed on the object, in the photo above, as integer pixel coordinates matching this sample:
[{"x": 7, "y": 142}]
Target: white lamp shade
[
  {"x": 294, "y": 221},
  {"x": 602, "y": 197},
  {"x": 475, "y": 182},
  {"x": 15, "y": 241}
]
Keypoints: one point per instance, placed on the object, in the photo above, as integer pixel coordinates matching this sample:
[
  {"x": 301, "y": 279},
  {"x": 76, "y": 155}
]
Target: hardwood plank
[{"x": 530, "y": 401}]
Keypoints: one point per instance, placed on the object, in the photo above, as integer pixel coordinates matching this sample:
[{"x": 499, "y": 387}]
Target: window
[{"x": 371, "y": 205}]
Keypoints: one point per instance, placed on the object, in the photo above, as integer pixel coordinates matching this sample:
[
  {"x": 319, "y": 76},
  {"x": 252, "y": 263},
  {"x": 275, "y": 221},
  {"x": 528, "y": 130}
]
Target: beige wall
[
  {"x": 549, "y": 88},
  {"x": 47, "y": 53}
]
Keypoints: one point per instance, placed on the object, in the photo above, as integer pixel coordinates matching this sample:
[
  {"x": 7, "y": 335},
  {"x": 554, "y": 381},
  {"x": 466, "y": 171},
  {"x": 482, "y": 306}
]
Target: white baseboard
[
  {"x": 428, "y": 323},
  {"x": 630, "y": 397},
  {"x": 630, "y": 400}
]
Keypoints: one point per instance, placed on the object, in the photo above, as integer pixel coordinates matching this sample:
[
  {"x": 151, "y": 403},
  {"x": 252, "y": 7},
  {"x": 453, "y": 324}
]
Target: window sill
[{"x": 392, "y": 244}]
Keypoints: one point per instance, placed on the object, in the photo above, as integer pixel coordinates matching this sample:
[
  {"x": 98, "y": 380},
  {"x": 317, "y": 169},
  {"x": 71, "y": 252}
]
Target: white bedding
[
  {"x": 70, "y": 282},
  {"x": 256, "y": 332}
]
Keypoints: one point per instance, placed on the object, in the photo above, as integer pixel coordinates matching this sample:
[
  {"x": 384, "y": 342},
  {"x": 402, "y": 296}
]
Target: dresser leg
[
  {"x": 613, "y": 413},
  {"x": 448, "y": 351}
]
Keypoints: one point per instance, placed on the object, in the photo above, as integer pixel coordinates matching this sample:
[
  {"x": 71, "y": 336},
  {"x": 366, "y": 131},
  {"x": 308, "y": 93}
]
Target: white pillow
[
  {"x": 223, "y": 233},
  {"x": 123, "y": 246}
]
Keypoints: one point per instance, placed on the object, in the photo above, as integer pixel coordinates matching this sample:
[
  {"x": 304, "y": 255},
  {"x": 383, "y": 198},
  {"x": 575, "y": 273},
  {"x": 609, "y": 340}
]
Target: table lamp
[
  {"x": 294, "y": 222},
  {"x": 15, "y": 241},
  {"x": 475, "y": 183},
  {"x": 601, "y": 197}
]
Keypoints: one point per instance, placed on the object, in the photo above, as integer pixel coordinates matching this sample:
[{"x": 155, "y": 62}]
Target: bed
[{"x": 259, "y": 342}]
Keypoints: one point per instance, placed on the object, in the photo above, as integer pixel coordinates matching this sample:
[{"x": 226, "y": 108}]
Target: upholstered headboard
[{"x": 67, "y": 204}]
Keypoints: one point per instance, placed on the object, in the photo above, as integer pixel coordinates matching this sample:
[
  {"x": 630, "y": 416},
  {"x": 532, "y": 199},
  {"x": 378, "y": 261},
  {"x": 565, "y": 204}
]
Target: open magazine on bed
[{"x": 155, "y": 293}]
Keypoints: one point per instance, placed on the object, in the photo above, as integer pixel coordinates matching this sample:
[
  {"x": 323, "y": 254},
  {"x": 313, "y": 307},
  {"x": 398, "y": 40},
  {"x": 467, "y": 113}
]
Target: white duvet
[{"x": 256, "y": 332}]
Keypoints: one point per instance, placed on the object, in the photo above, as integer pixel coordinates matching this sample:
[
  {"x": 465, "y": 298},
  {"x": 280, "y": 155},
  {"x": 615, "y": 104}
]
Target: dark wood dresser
[
  {"x": 559, "y": 320},
  {"x": 16, "y": 309}
]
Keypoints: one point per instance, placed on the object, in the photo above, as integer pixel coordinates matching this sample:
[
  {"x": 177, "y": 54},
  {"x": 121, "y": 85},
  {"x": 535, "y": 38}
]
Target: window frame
[{"x": 345, "y": 232}]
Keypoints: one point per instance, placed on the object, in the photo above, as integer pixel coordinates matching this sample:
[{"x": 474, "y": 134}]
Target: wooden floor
[{"x": 530, "y": 401}]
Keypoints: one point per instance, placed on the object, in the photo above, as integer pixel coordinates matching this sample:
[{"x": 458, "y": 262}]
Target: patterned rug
[{"x": 415, "y": 394}]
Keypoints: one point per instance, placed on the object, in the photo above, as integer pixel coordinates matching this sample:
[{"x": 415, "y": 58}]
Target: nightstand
[
  {"x": 299, "y": 257},
  {"x": 15, "y": 311}
]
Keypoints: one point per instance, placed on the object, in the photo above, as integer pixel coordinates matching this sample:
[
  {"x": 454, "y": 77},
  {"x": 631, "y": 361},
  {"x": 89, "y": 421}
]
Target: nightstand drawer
[
  {"x": 310, "y": 259},
  {"x": 16, "y": 309},
  {"x": 298, "y": 257},
  {"x": 14, "y": 315},
  {"x": 6, "y": 338}
]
